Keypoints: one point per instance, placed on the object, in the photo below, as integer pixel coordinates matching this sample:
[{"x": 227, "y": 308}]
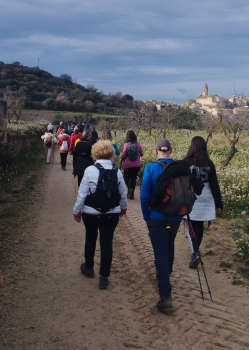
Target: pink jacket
[
  {"x": 127, "y": 163},
  {"x": 61, "y": 139}
]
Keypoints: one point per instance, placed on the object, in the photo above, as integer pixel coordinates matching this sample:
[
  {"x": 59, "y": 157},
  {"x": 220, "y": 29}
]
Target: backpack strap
[
  {"x": 99, "y": 166},
  {"x": 163, "y": 164}
]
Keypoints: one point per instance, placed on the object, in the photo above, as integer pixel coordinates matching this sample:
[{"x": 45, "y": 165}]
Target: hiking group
[{"x": 172, "y": 192}]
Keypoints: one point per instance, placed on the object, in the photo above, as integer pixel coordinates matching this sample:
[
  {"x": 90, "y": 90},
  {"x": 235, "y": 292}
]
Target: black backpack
[
  {"x": 174, "y": 194},
  {"x": 106, "y": 195},
  {"x": 132, "y": 151}
]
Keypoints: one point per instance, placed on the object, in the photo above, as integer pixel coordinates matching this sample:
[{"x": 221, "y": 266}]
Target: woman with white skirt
[{"x": 204, "y": 207}]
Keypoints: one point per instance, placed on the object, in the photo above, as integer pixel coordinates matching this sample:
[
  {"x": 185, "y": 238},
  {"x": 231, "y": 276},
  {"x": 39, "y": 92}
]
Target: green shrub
[
  {"x": 237, "y": 282},
  {"x": 244, "y": 250},
  {"x": 226, "y": 265},
  {"x": 246, "y": 226},
  {"x": 7, "y": 154}
]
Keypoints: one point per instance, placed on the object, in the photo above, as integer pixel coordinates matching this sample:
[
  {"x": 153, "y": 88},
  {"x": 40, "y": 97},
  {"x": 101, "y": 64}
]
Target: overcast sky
[{"x": 164, "y": 50}]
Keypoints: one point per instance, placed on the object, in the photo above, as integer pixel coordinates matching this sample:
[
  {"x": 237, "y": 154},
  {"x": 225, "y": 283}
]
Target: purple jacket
[{"x": 127, "y": 163}]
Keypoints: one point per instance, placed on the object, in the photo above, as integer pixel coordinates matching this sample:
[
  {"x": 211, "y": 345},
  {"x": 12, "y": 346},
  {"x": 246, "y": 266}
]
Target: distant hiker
[
  {"x": 107, "y": 135},
  {"x": 49, "y": 140},
  {"x": 76, "y": 135},
  {"x": 101, "y": 199},
  {"x": 61, "y": 126},
  {"x": 163, "y": 228},
  {"x": 204, "y": 208},
  {"x": 71, "y": 129},
  {"x": 80, "y": 127},
  {"x": 94, "y": 135},
  {"x": 83, "y": 156},
  {"x": 132, "y": 152},
  {"x": 64, "y": 143},
  {"x": 60, "y": 130},
  {"x": 50, "y": 127}
]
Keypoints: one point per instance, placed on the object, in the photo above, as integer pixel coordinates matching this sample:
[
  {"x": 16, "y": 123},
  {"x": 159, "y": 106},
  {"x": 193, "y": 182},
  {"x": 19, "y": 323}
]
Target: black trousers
[
  {"x": 106, "y": 225},
  {"x": 198, "y": 227},
  {"x": 130, "y": 177},
  {"x": 74, "y": 158},
  {"x": 80, "y": 177},
  {"x": 63, "y": 159}
]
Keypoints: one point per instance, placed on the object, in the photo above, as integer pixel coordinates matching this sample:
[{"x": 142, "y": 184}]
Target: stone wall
[
  {"x": 20, "y": 142},
  {"x": 3, "y": 121}
]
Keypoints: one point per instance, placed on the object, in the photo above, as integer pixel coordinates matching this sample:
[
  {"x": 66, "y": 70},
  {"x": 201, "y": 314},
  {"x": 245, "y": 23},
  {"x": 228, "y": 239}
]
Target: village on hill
[{"x": 236, "y": 105}]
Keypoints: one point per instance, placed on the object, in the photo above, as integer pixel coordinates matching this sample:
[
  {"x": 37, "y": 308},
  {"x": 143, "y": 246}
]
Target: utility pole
[{"x": 38, "y": 62}]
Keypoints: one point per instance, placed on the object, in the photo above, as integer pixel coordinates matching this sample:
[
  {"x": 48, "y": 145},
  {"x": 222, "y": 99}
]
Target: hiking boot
[
  {"x": 165, "y": 303},
  {"x": 195, "y": 260},
  {"x": 103, "y": 283},
  {"x": 129, "y": 193},
  {"x": 87, "y": 272}
]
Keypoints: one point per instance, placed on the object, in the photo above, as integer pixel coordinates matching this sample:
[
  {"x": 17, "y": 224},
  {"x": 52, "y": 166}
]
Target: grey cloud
[{"x": 131, "y": 44}]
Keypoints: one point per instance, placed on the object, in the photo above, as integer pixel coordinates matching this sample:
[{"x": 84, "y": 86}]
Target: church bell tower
[{"x": 205, "y": 90}]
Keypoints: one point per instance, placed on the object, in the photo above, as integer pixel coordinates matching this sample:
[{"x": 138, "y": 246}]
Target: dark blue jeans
[
  {"x": 106, "y": 225},
  {"x": 162, "y": 240}
]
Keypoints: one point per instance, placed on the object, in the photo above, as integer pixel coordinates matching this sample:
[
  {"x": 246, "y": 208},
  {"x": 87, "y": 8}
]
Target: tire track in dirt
[
  {"x": 194, "y": 324},
  {"x": 55, "y": 307}
]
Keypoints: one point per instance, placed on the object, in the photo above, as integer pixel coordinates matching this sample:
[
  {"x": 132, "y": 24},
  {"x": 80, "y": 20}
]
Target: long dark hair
[
  {"x": 198, "y": 152},
  {"x": 131, "y": 136},
  {"x": 86, "y": 135}
]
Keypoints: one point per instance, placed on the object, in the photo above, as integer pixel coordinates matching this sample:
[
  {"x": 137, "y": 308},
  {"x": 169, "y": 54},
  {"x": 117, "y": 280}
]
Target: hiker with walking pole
[
  {"x": 203, "y": 169},
  {"x": 166, "y": 195}
]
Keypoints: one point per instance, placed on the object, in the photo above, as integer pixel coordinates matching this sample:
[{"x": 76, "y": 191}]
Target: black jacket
[
  {"x": 207, "y": 174},
  {"x": 84, "y": 159}
]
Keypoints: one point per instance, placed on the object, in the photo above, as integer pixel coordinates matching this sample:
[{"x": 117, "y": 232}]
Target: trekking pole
[
  {"x": 204, "y": 273},
  {"x": 193, "y": 238},
  {"x": 202, "y": 263},
  {"x": 199, "y": 278}
]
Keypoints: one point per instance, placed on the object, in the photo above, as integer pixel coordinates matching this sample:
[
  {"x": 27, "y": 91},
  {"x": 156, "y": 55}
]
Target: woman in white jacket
[{"x": 100, "y": 208}]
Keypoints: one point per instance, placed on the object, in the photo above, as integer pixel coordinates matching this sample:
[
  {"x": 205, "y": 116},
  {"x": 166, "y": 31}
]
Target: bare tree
[
  {"x": 166, "y": 121},
  {"x": 209, "y": 123},
  {"x": 232, "y": 129},
  {"x": 15, "y": 104}
]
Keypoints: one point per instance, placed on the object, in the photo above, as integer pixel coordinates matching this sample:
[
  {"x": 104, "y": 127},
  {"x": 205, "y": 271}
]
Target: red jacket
[
  {"x": 61, "y": 139},
  {"x": 74, "y": 137}
]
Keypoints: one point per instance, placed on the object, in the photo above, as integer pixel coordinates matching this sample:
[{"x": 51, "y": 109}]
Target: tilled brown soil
[{"x": 48, "y": 304}]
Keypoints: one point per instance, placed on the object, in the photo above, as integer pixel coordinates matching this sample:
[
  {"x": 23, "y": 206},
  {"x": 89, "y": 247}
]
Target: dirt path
[{"x": 56, "y": 307}]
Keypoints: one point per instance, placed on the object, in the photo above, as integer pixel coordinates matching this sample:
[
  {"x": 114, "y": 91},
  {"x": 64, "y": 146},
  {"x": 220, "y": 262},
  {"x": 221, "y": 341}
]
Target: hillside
[{"x": 38, "y": 89}]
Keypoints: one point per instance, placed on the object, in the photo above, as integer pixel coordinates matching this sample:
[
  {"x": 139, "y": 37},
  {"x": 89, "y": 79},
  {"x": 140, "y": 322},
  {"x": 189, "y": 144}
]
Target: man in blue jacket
[{"x": 162, "y": 228}]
